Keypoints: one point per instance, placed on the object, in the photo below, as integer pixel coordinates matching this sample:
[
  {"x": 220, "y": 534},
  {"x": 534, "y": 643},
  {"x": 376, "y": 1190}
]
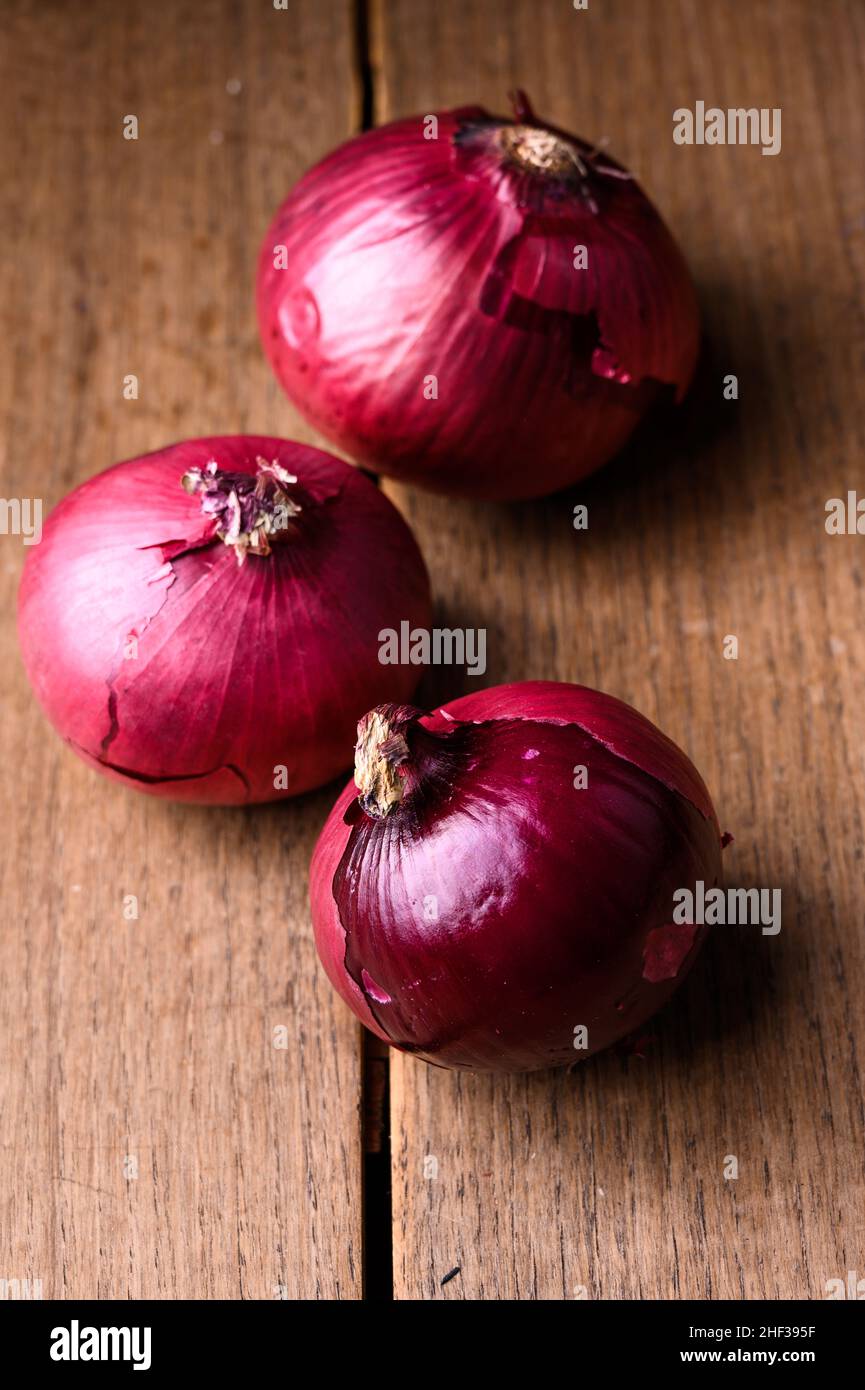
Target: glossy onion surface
[
  {"x": 481, "y": 306},
  {"x": 473, "y": 905}
]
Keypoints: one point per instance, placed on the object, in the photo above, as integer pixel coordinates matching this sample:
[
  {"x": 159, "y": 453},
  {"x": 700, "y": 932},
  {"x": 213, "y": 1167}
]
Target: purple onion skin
[
  {"x": 407, "y": 259},
  {"x": 239, "y": 669},
  {"x": 552, "y": 906}
]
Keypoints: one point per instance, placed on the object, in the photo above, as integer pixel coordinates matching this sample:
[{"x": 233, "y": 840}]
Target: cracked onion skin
[
  {"x": 399, "y": 259},
  {"x": 474, "y": 907},
  {"x": 197, "y": 618}
]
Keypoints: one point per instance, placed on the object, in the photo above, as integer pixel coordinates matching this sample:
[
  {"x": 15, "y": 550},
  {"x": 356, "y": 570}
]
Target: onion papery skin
[
  {"x": 408, "y": 258},
  {"x": 170, "y": 666},
  {"x": 496, "y": 907}
]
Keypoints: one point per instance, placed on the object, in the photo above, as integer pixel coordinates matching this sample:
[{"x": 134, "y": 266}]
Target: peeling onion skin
[
  {"x": 409, "y": 258},
  {"x": 552, "y": 905},
  {"x": 241, "y": 668}
]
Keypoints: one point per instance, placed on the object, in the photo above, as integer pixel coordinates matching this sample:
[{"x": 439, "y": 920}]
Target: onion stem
[
  {"x": 381, "y": 759},
  {"x": 249, "y": 511}
]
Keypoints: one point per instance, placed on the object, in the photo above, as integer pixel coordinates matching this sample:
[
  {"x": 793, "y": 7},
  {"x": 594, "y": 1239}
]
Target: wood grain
[
  {"x": 155, "y": 1142},
  {"x": 145, "y": 1046},
  {"x": 609, "y": 1181}
]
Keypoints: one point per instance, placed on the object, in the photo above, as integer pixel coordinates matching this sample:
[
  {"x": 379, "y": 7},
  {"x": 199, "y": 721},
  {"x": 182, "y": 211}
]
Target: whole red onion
[
  {"x": 423, "y": 299},
  {"x": 484, "y": 898},
  {"x": 202, "y": 622}
]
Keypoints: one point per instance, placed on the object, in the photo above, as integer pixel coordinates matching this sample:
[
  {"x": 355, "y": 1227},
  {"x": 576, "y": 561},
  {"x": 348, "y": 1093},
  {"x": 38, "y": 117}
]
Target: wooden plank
[
  {"x": 146, "y": 1046},
  {"x": 610, "y": 1179}
]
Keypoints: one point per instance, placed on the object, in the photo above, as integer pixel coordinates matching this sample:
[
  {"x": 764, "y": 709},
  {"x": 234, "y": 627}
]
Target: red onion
[
  {"x": 423, "y": 301},
  {"x": 202, "y": 622},
  {"x": 483, "y": 898}
]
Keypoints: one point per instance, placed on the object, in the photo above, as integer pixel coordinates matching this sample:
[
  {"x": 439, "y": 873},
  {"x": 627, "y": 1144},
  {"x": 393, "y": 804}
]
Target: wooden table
[{"x": 154, "y": 1140}]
